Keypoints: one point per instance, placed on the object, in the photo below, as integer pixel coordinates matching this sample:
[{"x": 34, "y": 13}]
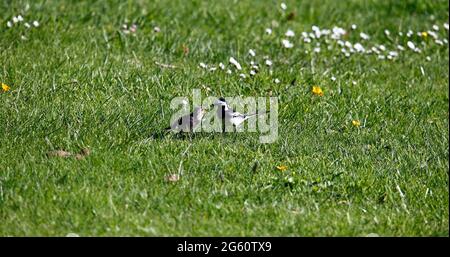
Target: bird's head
[{"x": 219, "y": 102}]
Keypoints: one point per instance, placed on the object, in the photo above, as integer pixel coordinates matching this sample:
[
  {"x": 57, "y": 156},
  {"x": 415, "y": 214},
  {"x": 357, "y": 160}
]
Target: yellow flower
[
  {"x": 282, "y": 168},
  {"x": 5, "y": 87},
  {"x": 356, "y": 123},
  {"x": 424, "y": 34},
  {"x": 317, "y": 91}
]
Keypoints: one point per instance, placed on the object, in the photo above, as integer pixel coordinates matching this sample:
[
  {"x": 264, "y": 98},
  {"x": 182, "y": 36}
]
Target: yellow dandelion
[
  {"x": 356, "y": 123},
  {"x": 5, "y": 88},
  {"x": 317, "y": 91},
  {"x": 282, "y": 168},
  {"x": 424, "y": 34}
]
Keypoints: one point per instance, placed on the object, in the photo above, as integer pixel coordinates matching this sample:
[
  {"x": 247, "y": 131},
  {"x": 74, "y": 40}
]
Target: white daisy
[
  {"x": 387, "y": 32},
  {"x": 409, "y": 33},
  {"x": 283, "y": 6},
  {"x": 9, "y": 24},
  {"x": 268, "y": 62},
  {"x": 251, "y": 52},
  {"x": 393, "y": 53},
  {"x": 20, "y": 18},
  {"x": 446, "y": 26},
  {"x": 286, "y": 43},
  {"x": 359, "y": 47},
  {"x": 364, "y": 36},
  {"x": 411, "y": 45},
  {"x": 317, "y": 50},
  {"x": 382, "y": 47},
  {"x": 439, "y": 42},
  {"x": 289, "y": 33},
  {"x": 221, "y": 66},
  {"x": 268, "y": 31},
  {"x": 354, "y": 82},
  {"x": 315, "y": 28},
  {"x": 401, "y": 48},
  {"x": 307, "y": 40},
  {"x": 252, "y": 73},
  {"x": 203, "y": 65},
  {"x": 435, "y": 27},
  {"x": 229, "y": 71},
  {"x": 235, "y": 63},
  {"x": 354, "y": 26},
  {"x": 36, "y": 24},
  {"x": 156, "y": 29},
  {"x": 381, "y": 57},
  {"x": 428, "y": 58},
  {"x": 277, "y": 81},
  {"x": 15, "y": 19},
  {"x": 333, "y": 78},
  {"x": 27, "y": 25},
  {"x": 242, "y": 75}
]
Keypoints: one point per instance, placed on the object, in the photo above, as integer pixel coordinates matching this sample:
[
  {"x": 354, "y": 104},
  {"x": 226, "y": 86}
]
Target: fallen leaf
[
  {"x": 172, "y": 178},
  {"x": 59, "y": 153}
]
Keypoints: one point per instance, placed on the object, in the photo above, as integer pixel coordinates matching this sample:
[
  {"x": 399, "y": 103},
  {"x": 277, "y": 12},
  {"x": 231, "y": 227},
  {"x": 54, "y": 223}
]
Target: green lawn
[{"x": 79, "y": 80}]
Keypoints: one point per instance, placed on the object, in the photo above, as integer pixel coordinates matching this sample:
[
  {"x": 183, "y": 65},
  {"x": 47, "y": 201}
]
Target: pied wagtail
[{"x": 229, "y": 116}]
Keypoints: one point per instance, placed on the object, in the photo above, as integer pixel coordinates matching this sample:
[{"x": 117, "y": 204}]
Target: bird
[
  {"x": 188, "y": 122},
  {"x": 229, "y": 115}
]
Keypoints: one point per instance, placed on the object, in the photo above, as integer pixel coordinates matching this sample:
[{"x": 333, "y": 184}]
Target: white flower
[
  {"x": 393, "y": 53},
  {"x": 333, "y": 78},
  {"x": 283, "y": 6},
  {"x": 221, "y": 66},
  {"x": 375, "y": 50},
  {"x": 381, "y": 57},
  {"x": 348, "y": 44},
  {"x": 382, "y": 47},
  {"x": 9, "y": 24},
  {"x": 20, "y": 18},
  {"x": 401, "y": 48},
  {"x": 411, "y": 45},
  {"x": 235, "y": 63},
  {"x": 446, "y": 26},
  {"x": 27, "y": 25},
  {"x": 432, "y": 34},
  {"x": 287, "y": 44},
  {"x": 359, "y": 48},
  {"x": 354, "y": 26},
  {"x": 428, "y": 58},
  {"x": 242, "y": 75},
  {"x": 289, "y": 33},
  {"x": 364, "y": 36},
  {"x": 317, "y": 50},
  {"x": 409, "y": 33},
  {"x": 156, "y": 29},
  {"x": 23, "y": 37},
  {"x": 337, "y": 32},
  {"x": 386, "y": 32},
  {"x": 15, "y": 19},
  {"x": 400, "y": 34},
  {"x": 36, "y": 24},
  {"x": 315, "y": 28},
  {"x": 229, "y": 71},
  {"x": 203, "y": 65},
  {"x": 435, "y": 27},
  {"x": 255, "y": 67},
  {"x": 268, "y": 31},
  {"x": 252, "y": 73},
  {"x": 354, "y": 82},
  {"x": 439, "y": 42},
  {"x": 277, "y": 81},
  {"x": 307, "y": 40},
  {"x": 445, "y": 41},
  {"x": 251, "y": 52},
  {"x": 212, "y": 68},
  {"x": 268, "y": 62}
]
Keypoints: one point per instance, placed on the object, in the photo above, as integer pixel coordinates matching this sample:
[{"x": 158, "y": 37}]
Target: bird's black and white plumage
[
  {"x": 229, "y": 116},
  {"x": 188, "y": 122}
]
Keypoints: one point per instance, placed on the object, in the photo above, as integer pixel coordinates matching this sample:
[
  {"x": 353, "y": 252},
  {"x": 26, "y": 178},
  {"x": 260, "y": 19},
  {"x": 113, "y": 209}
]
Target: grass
[{"x": 78, "y": 81}]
